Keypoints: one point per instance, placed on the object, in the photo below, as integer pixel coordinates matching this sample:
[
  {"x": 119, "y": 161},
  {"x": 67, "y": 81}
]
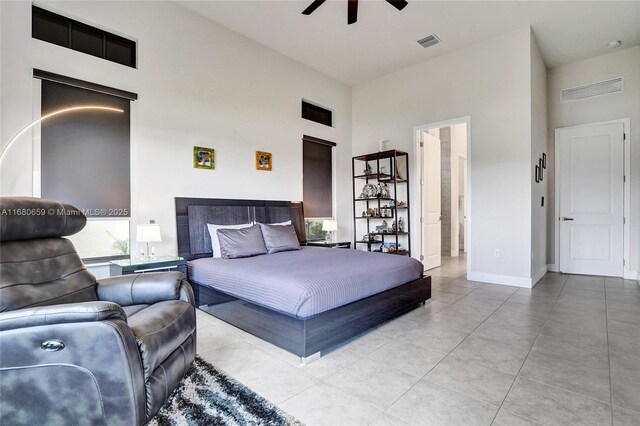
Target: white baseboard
[
  {"x": 538, "y": 275},
  {"x": 628, "y": 275},
  {"x": 500, "y": 279}
]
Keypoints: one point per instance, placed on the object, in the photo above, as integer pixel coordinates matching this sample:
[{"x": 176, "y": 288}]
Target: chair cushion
[
  {"x": 159, "y": 329},
  {"x": 133, "y": 309},
  {"x": 46, "y": 271},
  {"x": 29, "y": 218}
]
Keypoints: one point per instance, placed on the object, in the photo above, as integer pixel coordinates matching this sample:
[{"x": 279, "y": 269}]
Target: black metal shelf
[
  {"x": 373, "y": 217},
  {"x": 375, "y": 199},
  {"x": 394, "y": 165}
]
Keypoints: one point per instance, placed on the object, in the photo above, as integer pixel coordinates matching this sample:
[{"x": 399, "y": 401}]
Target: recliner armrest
[
  {"x": 60, "y": 314},
  {"x": 147, "y": 288}
]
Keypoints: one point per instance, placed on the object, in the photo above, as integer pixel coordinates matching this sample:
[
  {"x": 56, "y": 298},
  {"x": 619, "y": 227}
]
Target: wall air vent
[
  {"x": 590, "y": 90},
  {"x": 429, "y": 40}
]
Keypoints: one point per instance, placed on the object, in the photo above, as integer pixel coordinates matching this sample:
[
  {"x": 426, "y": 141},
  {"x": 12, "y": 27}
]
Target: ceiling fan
[{"x": 352, "y": 11}]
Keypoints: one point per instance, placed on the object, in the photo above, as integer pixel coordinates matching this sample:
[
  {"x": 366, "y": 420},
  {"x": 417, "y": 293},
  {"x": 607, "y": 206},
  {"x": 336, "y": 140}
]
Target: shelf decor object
[
  {"x": 148, "y": 233},
  {"x": 381, "y": 202}
]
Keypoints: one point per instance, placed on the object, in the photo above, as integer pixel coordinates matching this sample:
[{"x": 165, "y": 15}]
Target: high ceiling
[{"x": 384, "y": 39}]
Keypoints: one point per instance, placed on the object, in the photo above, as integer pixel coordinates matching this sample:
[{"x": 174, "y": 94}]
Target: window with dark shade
[
  {"x": 57, "y": 29},
  {"x": 318, "y": 114},
  {"x": 317, "y": 169},
  {"x": 85, "y": 161},
  {"x": 86, "y": 154},
  {"x": 86, "y": 40}
]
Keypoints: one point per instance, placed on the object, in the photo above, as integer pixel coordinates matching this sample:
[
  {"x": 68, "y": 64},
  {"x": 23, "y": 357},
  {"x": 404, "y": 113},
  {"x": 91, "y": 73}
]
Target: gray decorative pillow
[
  {"x": 245, "y": 242},
  {"x": 279, "y": 238}
]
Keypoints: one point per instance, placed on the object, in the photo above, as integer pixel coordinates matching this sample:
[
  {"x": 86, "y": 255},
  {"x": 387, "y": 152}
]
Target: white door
[
  {"x": 431, "y": 202},
  {"x": 592, "y": 199}
]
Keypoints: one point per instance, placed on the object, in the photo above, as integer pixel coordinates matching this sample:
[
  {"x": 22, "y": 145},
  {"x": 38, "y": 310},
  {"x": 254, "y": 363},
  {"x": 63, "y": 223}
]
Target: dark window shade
[
  {"x": 317, "y": 182},
  {"x": 318, "y": 114},
  {"x": 86, "y": 154},
  {"x": 66, "y": 32},
  {"x": 50, "y": 27},
  {"x": 121, "y": 51},
  {"x": 69, "y": 81},
  {"x": 87, "y": 40}
]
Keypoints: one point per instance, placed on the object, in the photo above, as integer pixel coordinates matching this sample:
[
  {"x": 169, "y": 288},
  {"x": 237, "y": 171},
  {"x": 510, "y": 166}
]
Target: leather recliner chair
[{"x": 74, "y": 350}]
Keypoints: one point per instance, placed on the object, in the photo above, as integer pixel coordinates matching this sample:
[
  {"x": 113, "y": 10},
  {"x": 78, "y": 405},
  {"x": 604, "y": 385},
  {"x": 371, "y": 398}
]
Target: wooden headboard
[{"x": 193, "y": 214}]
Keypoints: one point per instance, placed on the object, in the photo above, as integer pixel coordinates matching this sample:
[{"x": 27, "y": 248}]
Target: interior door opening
[{"x": 443, "y": 191}]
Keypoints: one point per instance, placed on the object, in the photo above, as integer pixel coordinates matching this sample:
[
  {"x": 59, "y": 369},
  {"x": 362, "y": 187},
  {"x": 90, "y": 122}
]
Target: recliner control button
[{"x": 52, "y": 345}]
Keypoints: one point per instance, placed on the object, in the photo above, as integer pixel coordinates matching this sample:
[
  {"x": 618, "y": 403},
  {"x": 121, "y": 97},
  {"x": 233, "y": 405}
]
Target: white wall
[
  {"x": 539, "y": 145},
  {"x": 490, "y": 82},
  {"x": 198, "y": 84},
  {"x": 619, "y": 63}
]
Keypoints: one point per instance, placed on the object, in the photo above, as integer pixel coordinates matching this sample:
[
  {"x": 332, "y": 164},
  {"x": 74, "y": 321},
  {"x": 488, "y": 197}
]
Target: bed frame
[{"x": 303, "y": 337}]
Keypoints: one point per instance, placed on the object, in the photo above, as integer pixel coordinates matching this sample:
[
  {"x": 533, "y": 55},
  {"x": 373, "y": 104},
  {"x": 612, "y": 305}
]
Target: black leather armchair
[{"x": 74, "y": 350}]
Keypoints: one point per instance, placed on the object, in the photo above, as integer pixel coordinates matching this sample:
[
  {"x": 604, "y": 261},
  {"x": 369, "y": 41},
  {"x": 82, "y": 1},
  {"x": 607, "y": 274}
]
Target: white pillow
[
  {"x": 280, "y": 223},
  {"x": 213, "y": 232}
]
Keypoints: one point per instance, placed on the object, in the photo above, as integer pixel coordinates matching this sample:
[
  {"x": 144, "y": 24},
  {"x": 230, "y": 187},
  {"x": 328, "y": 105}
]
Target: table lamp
[
  {"x": 330, "y": 226},
  {"x": 148, "y": 233}
]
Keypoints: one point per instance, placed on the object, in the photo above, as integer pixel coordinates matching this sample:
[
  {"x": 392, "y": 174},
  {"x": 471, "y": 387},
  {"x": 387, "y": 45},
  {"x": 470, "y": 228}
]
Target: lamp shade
[
  {"x": 329, "y": 225},
  {"x": 148, "y": 233}
]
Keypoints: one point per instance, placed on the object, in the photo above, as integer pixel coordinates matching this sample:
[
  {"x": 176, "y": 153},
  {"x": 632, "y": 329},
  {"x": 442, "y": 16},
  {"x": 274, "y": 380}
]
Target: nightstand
[
  {"x": 339, "y": 244},
  {"x": 159, "y": 263}
]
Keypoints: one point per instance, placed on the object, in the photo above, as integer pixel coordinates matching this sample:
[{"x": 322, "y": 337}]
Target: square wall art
[
  {"x": 264, "y": 160},
  {"x": 203, "y": 158}
]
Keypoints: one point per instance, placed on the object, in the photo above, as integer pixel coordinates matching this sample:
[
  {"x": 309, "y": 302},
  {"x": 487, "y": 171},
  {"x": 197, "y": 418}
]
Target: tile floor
[{"x": 564, "y": 353}]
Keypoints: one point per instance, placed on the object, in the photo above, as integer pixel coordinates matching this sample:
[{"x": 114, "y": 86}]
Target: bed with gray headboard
[{"x": 273, "y": 296}]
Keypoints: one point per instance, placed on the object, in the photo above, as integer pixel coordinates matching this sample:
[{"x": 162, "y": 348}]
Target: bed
[{"x": 303, "y": 301}]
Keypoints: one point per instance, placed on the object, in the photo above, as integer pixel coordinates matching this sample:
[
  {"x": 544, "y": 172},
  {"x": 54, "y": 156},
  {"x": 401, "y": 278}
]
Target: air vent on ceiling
[
  {"x": 429, "y": 40},
  {"x": 591, "y": 90}
]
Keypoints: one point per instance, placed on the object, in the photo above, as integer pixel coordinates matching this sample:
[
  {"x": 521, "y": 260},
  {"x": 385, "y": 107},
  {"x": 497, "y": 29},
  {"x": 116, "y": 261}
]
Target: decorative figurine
[
  {"x": 385, "y": 225},
  {"x": 364, "y": 213},
  {"x": 369, "y": 191},
  {"x": 383, "y": 190},
  {"x": 401, "y": 225},
  {"x": 367, "y": 169}
]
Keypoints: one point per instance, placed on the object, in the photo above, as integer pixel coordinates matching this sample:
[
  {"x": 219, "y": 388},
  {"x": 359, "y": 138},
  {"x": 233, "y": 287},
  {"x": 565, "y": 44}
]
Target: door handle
[{"x": 567, "y": 218}]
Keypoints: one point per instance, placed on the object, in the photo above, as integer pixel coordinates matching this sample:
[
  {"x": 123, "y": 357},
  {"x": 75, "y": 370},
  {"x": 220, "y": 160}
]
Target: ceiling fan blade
[
  {"x": 398, "y": 4},
  {"x": 312, "y": 7},
  {"x": 352, "y": 12}
]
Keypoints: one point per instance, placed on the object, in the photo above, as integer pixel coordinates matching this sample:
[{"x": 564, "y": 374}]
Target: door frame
[
  {"x": 626, "y": 128},
  {"x": 416, "y": 209}
]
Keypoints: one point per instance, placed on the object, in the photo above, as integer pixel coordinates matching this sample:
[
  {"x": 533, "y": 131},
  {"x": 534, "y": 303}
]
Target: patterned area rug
[{"x": 208, "y": 397}]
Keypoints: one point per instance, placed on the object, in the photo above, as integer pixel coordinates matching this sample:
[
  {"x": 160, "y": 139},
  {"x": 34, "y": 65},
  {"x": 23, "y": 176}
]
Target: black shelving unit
[{"x": 392, "y": 168}]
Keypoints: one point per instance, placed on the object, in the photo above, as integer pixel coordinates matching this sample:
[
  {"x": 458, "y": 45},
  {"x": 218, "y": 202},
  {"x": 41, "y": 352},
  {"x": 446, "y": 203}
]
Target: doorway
[
  {"x": 443, "y": 190},
  {"x": 591, "y": 199}
]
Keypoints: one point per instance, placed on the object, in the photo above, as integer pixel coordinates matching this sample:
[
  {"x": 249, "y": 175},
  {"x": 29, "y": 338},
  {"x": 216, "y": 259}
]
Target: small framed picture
[
  {"x": 264, "y": 160},
  {"x": 540, "y": 164},
  {"x": 203, "y": 158},
  {"x": 537, "y": 173},
  {"x": 544, "y": 160}
]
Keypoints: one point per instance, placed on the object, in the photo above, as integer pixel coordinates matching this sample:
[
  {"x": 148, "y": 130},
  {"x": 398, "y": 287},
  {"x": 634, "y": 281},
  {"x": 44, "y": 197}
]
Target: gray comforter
[{"x": 306, "y": 282}]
